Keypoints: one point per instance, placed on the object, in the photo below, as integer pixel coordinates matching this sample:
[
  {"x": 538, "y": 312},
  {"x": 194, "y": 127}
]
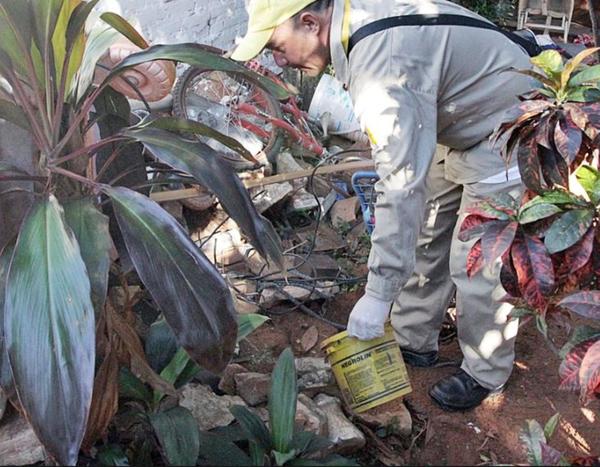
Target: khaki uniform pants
[{"x": 485, "y": 336}]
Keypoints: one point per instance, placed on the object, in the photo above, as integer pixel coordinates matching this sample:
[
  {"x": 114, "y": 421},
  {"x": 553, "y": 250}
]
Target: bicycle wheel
[{"x": 212, "y": 98}]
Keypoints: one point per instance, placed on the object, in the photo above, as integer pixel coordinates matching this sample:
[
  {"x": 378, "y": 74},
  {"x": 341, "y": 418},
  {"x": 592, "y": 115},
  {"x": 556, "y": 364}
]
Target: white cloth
[{"x": 368, "y": 318}]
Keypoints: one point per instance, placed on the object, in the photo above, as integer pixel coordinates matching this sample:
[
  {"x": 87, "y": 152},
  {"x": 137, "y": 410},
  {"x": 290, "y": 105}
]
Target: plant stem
[
  {"x": 79, "y": 117},
  {"x": 87, "y": 150},
  {"x": 74, "y": 176},
  {"x": 38, "y": 133}
]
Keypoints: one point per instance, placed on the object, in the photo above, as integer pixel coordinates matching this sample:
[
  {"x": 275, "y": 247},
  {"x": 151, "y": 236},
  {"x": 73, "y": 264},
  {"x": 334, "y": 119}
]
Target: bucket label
[{"x": 372, "y": 376}]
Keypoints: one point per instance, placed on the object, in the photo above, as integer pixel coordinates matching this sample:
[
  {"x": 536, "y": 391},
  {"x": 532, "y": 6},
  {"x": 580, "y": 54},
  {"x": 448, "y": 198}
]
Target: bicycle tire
[{"x": 271, "y": 147}]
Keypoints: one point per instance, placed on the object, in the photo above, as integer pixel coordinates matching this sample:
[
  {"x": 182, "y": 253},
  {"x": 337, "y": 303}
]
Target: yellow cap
[{"x": 264, "y": 17}]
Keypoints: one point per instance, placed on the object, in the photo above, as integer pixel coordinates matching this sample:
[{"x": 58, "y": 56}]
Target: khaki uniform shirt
[{"x": 412, "y": 88}]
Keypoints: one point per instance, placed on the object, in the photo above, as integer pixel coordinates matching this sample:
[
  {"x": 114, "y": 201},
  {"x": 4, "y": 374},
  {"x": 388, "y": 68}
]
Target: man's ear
[{"x": 310, "y": 22}]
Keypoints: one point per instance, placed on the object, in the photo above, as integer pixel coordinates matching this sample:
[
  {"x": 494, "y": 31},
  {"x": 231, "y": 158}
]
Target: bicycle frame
[{"x": 302, "y": 135}]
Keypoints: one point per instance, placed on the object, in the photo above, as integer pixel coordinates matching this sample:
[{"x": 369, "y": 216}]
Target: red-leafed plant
[{"x": 549, "y": 240}]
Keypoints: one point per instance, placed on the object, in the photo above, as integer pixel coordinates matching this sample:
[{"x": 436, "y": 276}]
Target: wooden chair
[{"x": 543, "y": 14}]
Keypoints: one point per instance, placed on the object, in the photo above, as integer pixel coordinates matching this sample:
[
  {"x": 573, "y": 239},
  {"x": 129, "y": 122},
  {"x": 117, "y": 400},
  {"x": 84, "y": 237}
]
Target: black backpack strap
[{"x": 530, "y": 47}]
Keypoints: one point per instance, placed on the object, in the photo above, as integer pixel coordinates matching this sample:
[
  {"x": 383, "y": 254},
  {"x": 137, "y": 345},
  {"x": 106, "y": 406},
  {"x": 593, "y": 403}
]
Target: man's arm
[{"x": 401, "y": 122}]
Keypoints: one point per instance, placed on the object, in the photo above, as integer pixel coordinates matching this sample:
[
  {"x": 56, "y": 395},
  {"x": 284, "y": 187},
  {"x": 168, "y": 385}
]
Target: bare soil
[{"x": 486, "y": 435}]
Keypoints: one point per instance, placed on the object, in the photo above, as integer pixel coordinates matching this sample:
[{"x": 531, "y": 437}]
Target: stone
[
  {"x": 313, "y": 373},
  {"x": 346, "y": 438},
  {"x": 270, "y": 195},
  {"x": 221, "y": 240},
  {"x": 310, "y": 417},
  {"x": 304, "y": 201},
  {"x": 209, "y": 410},
  {"x": 18, "y": 443},
  {"x": 393, "y": 416},
  {"x": 253, "y": 387},
  {"x": 227, "y": 383},
  {"x": 344, "y": 211},
  {"x": 270, "y": 296},
  {"x": 327, "y": 238},
  {"x": 320, "y": 266}
]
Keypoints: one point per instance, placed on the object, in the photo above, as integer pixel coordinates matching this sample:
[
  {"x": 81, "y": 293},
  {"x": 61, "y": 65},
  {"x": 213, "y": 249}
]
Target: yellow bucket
[{"x": 369, "y": 373}]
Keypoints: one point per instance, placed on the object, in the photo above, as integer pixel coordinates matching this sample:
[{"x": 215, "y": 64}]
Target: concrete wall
[{"x": 214, "y": 22}]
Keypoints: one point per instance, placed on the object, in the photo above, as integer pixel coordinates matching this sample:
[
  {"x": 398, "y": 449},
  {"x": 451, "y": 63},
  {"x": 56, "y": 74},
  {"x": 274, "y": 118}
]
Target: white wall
[{"x": 213, "y": 22}]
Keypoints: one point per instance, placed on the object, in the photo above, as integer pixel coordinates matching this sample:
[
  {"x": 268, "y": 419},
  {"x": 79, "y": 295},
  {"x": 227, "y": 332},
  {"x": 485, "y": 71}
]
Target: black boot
[
  {"x": 419, "y": 359},
  {"x": 460, "y": 392}
]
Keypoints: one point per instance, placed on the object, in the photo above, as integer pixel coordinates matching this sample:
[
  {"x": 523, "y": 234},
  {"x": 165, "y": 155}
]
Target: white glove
[{"x": 368, "y": 317}]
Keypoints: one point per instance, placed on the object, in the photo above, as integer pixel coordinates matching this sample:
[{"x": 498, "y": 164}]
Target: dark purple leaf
[
  {"x": 529, "y": 164},
  {"x": 542, "y": 131},
  {"x": 567, "y": 138},
  {"x": 49, "y": 331},
  {"x": 579, "y": 254},
  {"x": 534, "y": 269},
  {"x": 474, "y": 259},
  {"x": 508, "y": 276},
  {"x": 191, "y": 293},
  {"x": 554, "y": 168},
  {"x": 472, "y": 226},
  {"x": 497, "y": 239},
  {"x": 585, "y": 303},
  {"x": 589, "y": 373},
  {"x": 550, "y": 455},
  {"x": 578, "y": 117},
  {"x": 569, "y": 368}
]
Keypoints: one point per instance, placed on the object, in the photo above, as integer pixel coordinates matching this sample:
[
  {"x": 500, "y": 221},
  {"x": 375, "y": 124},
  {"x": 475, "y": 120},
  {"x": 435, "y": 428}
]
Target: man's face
[{"x": 302, "y": 44}]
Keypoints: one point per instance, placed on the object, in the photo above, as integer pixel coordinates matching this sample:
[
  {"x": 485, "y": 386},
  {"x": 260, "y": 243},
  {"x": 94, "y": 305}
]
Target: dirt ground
[{"x": 488, "y": 435}]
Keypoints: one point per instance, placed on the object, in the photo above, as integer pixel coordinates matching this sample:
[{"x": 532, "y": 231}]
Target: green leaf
[
  {"x": 98, "y": 42},
  {"x": 583, "y": 94},
  {"x": 178, "y": 434},
  {"x": 14, "y": 114},
  {"x": 191, "y": 293},
  {"x": 550, "y": 61},
  {"x": 553, "y": 197},
  {"x": 49, "y": 330},
  {"x": 173, "y": 371},
  {"x": 220, "y": 451},
  {"x": 16, "y": 36},
  {"x": 282, "y": 457},
  {"x": 551, "y": 425},
  {"x": 587, "y": 76},
  {"x": 254, "y": 428},
  {"x": 282, "y": 401},
  {"x": 124, "y": 27},
  {"x": 190, "y": 126},
  {"x": 589, "y": 178},
  {"x": 160, "y": 345},
  {"x": 196, "y": 55},
  {"x": 531, "y": 436},
  {"x": 580, "y": 334},
  {"x": 568, "y": 229},
  {"x": 90, "y": 227},
  {"x": 131, "y": 387},
  {"x": 520, "y": 313},
  {"x": 112, "y": 454},
  {"x": 247, "y": 323},
  {"x": 537, "y": 212},
  {"x": 213, "y": 172},
  {"x": 332, "y": 460},
  {"x": 75, "y": 40},
  {"x": 6, "y": 379},
  {"x": 542, "y": 325},
  {"x": 574, "y": 63}
]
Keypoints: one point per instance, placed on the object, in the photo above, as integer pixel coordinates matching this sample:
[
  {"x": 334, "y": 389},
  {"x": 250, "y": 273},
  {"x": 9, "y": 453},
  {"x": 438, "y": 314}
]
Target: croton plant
[{"x": 549, "y": 240}]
